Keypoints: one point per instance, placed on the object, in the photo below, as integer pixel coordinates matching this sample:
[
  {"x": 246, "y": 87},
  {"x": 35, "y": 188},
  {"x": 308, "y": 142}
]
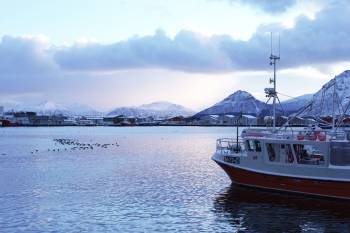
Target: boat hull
[{"x": 324, "y": 188}]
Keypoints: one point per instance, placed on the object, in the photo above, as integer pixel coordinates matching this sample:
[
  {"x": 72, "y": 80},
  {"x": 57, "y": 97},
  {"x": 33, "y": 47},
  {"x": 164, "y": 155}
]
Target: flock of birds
[{"x": 64, "y": 144}]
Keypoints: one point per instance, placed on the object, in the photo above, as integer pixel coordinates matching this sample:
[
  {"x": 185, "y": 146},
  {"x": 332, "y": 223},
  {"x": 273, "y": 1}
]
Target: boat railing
[
  {"x": 229, "y": 145},
  {"x": 312, "y": 135},
  {"x": 302, "y": 134}
]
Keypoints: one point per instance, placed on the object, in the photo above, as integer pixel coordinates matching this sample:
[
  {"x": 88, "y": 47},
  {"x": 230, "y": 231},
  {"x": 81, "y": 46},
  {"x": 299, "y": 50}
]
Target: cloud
[
  {"x": 319, "y": 41},
  {"x": 26, "y": 55},
  {"x": 322, "y": 40},
  {"x": 271, "y": 6},
  {"x": 26, "y": 64},
  {"x": 188, "y": 51},
  {"x": 32, "y": 68}
]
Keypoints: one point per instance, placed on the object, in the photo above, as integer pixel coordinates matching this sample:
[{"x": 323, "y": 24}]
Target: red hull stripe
[{"x": 336, "y": 189}]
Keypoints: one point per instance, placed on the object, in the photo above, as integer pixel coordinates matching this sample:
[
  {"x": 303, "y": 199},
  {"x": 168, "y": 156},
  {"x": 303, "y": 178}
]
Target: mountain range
[
  {"x": 293, "y": 105},
  {"x": 240, "y": 101},
  {"x": 322, "y": 101},
  {"x": 160, "y": 109},
  {"x": 52, "y": 108}
]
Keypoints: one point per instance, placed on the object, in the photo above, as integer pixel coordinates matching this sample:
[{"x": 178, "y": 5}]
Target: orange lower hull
[{"x": 335, "y": 189}]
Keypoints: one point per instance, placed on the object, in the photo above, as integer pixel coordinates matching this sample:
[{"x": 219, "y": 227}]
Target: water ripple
[{"x": 159, "y": 179}]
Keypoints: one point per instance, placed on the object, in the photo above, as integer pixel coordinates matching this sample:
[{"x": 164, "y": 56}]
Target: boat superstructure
[{"x": 311, "y": 160}]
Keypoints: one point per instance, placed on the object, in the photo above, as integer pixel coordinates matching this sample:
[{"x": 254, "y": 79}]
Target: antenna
[
  {"x": 272, "y": 44},
  {"x": 272, "y": 92},
  {"x": 279, "y": 46},
  {"x": 271, "y": 48}
]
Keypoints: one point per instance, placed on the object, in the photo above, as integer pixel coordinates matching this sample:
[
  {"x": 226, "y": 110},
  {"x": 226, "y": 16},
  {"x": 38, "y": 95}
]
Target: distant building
[
  {"x": 24, "y": 118},
  {"x": 209, "y": 120},
  {"x": 227, "y": 120},
  {"x": 146, "y": 121},
  {"x": 9, "y": 116},
  {"x": 70, "y": 121},
  {"x": 57, "y": 120},
  {"x": 179, "y": 120},
  {"x": 129, "y": 120},
  {"x": 84, "y": 122},
  {"x": 268, "y": 120},
  {"x": 113, "y": 120},
  {"x": 1, "y": 111},
  {"x": 281, "y": 120},
  {"x": 41, "y": 121},
  {"x": 44, "y": 120},
  {"x": 249, "y": 120},
  {"x": 120, "y": 120},
  {"x": 261, "y": 121},
  {"x": 96, "y": 120}
]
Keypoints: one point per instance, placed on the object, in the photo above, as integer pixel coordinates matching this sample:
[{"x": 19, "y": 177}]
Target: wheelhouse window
[
  {"x": 340, "y": 154},
  {"x": 308, "y": 154},
  {"x": 257, "y": 146},
  {"x": 289, "y": 153},
  {"x": 253, "y": 145},
  {"x": 250, "y": 145},
  {"x": 273, "y": 151}
]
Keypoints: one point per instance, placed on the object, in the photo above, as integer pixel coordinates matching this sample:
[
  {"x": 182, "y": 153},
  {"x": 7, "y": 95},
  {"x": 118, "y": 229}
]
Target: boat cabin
[{"x": 298, "y": 149}]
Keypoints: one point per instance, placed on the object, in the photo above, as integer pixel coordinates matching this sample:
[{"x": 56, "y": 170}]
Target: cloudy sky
[{"x": 109, "y": 53}]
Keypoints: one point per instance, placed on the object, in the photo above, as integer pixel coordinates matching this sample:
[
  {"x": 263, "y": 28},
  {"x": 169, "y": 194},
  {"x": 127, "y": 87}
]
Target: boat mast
[
  {"x": 273, "y": 60},
  {"x": 333, "y": 107},
  {"x": 238, "y": 123}
]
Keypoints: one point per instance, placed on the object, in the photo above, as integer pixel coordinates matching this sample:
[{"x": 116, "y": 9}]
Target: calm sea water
[{"x": 157, "y": 179}]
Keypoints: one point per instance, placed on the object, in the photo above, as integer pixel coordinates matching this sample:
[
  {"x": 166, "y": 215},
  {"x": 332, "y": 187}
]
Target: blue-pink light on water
[{"x": 148, "y": 179}]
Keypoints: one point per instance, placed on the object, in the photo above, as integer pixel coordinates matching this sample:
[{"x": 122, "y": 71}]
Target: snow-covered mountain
[
  {"x": 160, "y": 109},
  {"x": 323, "y": 99},
  {"x": 47, "y": 106},
  {"x": 83, "y": 110},
  {"x": 293, "y": 105},
  {"x": 240, "y": 101},
  {"x": 52, "y": 108}
]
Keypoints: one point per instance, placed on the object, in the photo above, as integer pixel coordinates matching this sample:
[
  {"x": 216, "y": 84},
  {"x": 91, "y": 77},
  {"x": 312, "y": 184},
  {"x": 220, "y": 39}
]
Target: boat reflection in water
[{"x": 253, "y": 210}]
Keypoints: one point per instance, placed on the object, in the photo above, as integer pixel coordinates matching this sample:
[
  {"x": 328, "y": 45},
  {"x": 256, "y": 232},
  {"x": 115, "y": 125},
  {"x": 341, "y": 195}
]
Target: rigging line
[
  {"x": 268, "y": 100},
  {"x": 322, "y": 102},
  {"x": 291, "y": 97},
  {"x": 342, "y": 117},
  {"x": 347, "y": 107},
  {"x": 319, "y": 120},
  {"x": 284, "y": 112},
  {"x": 312, "y": 101},
  {"x": 340, "y": 105},
  {"x": 287, "y": 95},
  {"x": 340, "y": 109},
  {"x": 297, "y": 114},
  {"x": 267, "y": 103}
]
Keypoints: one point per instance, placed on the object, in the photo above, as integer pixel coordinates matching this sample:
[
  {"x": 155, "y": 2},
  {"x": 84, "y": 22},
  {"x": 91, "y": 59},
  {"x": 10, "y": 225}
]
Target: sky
[{"x": 111, "y": 53}]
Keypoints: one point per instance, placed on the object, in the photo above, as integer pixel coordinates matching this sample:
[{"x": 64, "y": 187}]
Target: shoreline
[{"x": 131, "y": 126}]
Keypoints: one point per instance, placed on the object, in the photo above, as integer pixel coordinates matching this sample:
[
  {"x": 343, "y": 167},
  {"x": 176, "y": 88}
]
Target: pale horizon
[{"x": 129, "y": 53}]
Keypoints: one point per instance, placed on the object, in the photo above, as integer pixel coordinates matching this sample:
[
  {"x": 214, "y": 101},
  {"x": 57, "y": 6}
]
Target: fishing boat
[{"x": 313, "y": 160}]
